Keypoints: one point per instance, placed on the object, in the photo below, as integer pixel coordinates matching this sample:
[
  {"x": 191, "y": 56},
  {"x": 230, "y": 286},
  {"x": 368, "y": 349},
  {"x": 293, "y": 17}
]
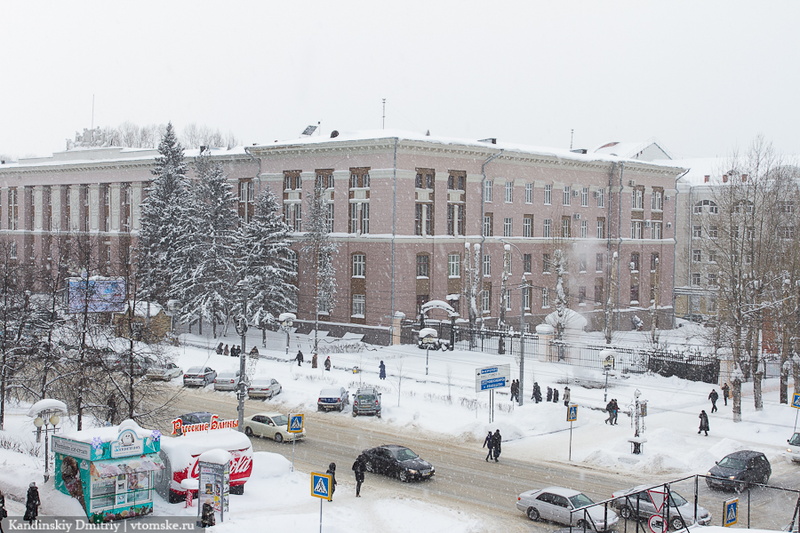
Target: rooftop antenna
[
  {"x": 383, "y": 122},
  {"x": 571, "y": 136}
]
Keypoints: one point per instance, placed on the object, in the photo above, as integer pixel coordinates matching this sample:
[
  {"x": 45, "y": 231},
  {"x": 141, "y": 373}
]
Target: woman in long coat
[
  {"x": 32, "y": 504},
  {"x": 703, "y": 423}
]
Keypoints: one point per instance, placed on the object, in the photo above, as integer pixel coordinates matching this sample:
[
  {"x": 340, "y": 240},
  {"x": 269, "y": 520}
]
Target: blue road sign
[
  {"x": 492, "y": 377},
  {"x": 572, "y": 413},
  {"x": 731, "y": 512},
  {"x": 796, "y": 400},
  {"x": 321, "y": 486},
  {"x": 296, "y": 423}
]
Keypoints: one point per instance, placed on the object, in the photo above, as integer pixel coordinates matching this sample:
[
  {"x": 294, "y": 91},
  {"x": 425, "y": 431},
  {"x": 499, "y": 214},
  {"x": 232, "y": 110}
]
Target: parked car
[
  {"x": 122, "y": 362},
  {"x": 397, "y": 461},
  {"x": 164, "y": 371},
  {"x": 272, "y": 426},
  {"x": 556, "y": 503},
  {"x": 637, "y": 503},
  {"x": 367, "y": 401},
  {"x": 738, "y": 470},
  {"x": 226, "y": 381},
  {"x": 333, "y": 398},
  {"x": 264, "y": 388},
  {"x": 199, "y": 376},
  {"x": 793, "y": 451}
]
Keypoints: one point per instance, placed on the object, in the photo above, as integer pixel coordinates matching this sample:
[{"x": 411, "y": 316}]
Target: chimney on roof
[
  {"x": 580, "y": 151},
  {"x": 744, "y": 177},
  {"x": 724, "y": 178},
  {"x": 490, "y": 140},
  {"x": 706, "y": 178}
]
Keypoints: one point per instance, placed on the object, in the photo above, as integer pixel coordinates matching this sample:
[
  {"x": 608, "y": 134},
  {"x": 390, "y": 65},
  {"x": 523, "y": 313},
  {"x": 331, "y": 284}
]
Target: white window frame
[
  {"x": 529, "y": 193},
  {"x": 548, "y": 194}
]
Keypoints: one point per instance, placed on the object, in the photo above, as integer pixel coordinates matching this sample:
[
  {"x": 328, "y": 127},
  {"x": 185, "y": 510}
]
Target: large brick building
[{"x": 406, "y": 212}]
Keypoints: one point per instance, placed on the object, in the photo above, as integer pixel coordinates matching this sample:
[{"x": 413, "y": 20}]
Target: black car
[
  {"x": 397, "y": 461},
  {"x": 738, "y": 470}
]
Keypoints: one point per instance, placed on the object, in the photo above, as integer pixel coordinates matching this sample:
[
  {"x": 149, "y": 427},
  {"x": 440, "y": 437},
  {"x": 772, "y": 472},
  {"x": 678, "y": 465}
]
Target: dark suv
[
  {"x": 367, "y": 401},
  {"x": 738, "y": 470}
]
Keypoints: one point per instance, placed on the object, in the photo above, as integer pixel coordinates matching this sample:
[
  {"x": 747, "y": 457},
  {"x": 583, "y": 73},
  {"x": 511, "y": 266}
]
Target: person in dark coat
[
  {"x": 713, "y": 396},
  {"x": 313, "y": 359},
  {"x": 32, "y": 504},
  {"x": 3, "y": 512},
  {"x": 555, "y": 395},
  {"x": 328, "y": 363},
  {"x": 549, "y": 394},
  {"x": 610, "y": 411},
  {"x": 488, "y": 442},
  {"x": 614, "y": 411},
  {"x": 382, "y": 370},
  {"x": 359, "y": 467},
  {"x": 332, "y": 472},
  {"x": 219, "y": 349},
  {"x": 299, "y": 358},
  {"x": 254, "y": 351},
  {"x": 537, "y": 392},
  {"x": 514, "y": 390},
  {"x": 207, "y": 518},
  {"x": 566, "y": 396},
  {"x": 496, "y": 440},
  {"x": 703, "y": 423},
  {"x": 236, "y": 351},
  {"x": 726, "y": 392},
  {"x": 226, "y": 350}
]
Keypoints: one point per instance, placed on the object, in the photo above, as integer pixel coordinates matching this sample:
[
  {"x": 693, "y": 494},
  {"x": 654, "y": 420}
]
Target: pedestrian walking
[
  {"x": 703, "y": 423},
  {"x": 313, "y": 359},
  {"x": 382, "y": 371},
  {"x": 488, "y": 442},
  {"x": 332, "y": 472},
  {"x": 207, "y": 517},
  {"x": 359, "y": 467},
  {"x": 496, "y": 440},
  {"x": 514, "y": 390},
  {"x": 3, "y": 512},
  {"x": 299, "y": 358},
  {"x": 32, "y": 503},
  {"x": 610, "y": 411},
  {"x": 614, "y": 411},
  {"x": 537, "y": 392},
  {"x": 726, "y": 392},
  {"x": 236, "y": 351},
  {"x": 566, "y": 396},
  {"x": 226, "y": 350},
  {"x": 555, "y": 395},
  {"x": 713, "y": 396},
  {"x": 328, "y": 363},
  {"x": 219, "y": 349}
]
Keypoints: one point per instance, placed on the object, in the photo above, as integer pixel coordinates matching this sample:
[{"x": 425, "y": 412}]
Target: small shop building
[{"x": 109, "y": 470}]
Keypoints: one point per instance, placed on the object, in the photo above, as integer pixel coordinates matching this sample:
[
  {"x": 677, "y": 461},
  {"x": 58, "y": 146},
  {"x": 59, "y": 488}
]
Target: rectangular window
[
  {"x": 13, "y": 208},
  {"x": 657, "y": 200},
  {"x": 423, "y": 265},
  {"x": 636, "y": 229},
  {"x": 486, "y": 299},
  {"x": 526, "y": 298},
  {"x": 487, "y": 265},
  {"x": 601, "y": 197},
  {"x": 329, "y": 216},
  {"x": 697, "y": 256},
  {"x": 601, "y": 228},
  {"x": 508, "y": 227},
  {"x": 509, "y": 192},
  {"x": 585, "y": 197},
  {"x": 712, "y": 280},
  {"x": 582, "y": 262},
  {"x": 584, "y": 229},
  {"x": 599, "y": 259},
  {"x": 359, "y": 217},
  {"x": 567, "y": 195},
  {"x": 359, "y": 306},
  {"x": 294, "y": 216},
  {"x": 527, "y": 263},
  {"x": 712, "y": 232},
  {"x": 547, "y": 227},
  {"x": 488, "y": 223},
  {"x": 637, "y": 198},
  {"x": 456, "y": 180},
  {"x": 487, "y": 190},
  {"x": 545, "y": 297},
  {"x": 291, "y": 180},
  {"x": 423, "y": 218},
  {"x": 527, "y": 226},
  {"x": 548, "y": 194},
  {"x": 712, "y": 257},
  {"x": 697, "y": 231},
  {"x": 325, "y": 178},
  {"x": 546, "y": 263},
  {"x": 359, "y": 265},
  {"x": 455, "y": 219},
  {"x": 566, "y": 227},
  {"x": 634, "y": 293},
  {"x": 658, "y": 232},
  {"x": 695, "y": 279},
  {"x": 454, "y": 265},
  {"x": 425, "y": 178},
  {"x": 529, "y": 193},
  {"x": 246, "y": 200},
  {"x": 635, "y": 262},
  {"x": 359, "y": 178}
]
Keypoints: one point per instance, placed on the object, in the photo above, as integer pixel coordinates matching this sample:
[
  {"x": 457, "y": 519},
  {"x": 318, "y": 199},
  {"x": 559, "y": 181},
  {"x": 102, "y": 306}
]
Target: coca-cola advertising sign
[{"x": 241, "y": 466}]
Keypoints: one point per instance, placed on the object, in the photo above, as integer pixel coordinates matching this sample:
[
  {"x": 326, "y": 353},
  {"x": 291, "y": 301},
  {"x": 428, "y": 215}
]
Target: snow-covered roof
[
  {"x": 648, "y": 150},
  {"x": 141, "y": 308},
  {"x": 180, "y": 450},
  {"x": 108, "y": 433}
]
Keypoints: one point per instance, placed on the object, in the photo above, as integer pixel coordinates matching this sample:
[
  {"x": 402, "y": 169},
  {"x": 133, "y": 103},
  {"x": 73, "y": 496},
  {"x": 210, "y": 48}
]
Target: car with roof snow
[
  {"x": 333, "y": 399},
  {"x": 199, "y": 376},
  {"x": 739, "y": 470},
  {"x": 163, "y": 371},
  {"x": 566, "y": 506},
  {"x": 643, "y": 501}
]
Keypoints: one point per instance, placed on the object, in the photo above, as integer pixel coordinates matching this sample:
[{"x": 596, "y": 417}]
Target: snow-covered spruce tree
[
  {"x": 165, "y": 219},
  {"x": 205, "y": 284},
  {"x": 316, "y": 263},
  {"x": 264, "y": 264}
]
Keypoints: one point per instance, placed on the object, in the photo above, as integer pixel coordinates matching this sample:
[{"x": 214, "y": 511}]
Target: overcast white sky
[{"x": 703, "y": 78}]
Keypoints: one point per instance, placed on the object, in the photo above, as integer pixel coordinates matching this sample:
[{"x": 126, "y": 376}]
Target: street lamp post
[
  {"x": 286, "y": 320},
  {"x": 241, "y": 329},
  {"x": 523, "y": 286},
  {"x": 47, "y": 421}
]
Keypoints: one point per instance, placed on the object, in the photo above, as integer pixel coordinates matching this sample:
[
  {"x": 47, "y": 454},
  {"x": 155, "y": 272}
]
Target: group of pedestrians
[
  {"x": 552, "y": 393},
  {"x": 301, "y": 359},
  {"x": 612, "y": 408},
  {"x": 233, "y": 351},
  {"x": 493, "y": 442},
  {"x": 713, "y": 396},
  {"x": 359, "y": 471}
]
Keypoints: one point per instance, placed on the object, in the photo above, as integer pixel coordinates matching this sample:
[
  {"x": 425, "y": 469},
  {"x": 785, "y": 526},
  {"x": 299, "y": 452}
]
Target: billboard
[{"x": 95, "y": 295}]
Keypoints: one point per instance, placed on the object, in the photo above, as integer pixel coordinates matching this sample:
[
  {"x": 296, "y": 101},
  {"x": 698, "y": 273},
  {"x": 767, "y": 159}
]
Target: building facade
[{"x": 415, "y": 219}]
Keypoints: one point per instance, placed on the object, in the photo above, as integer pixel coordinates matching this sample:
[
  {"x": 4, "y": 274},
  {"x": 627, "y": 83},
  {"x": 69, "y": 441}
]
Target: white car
[
  {"x": 793, "y": 451},
  {"x": 273, "y": 426},
  {"x": 556, "y": 504},
  {"x": 165, "y": 372},
  {"x": 264, "y": 388}
]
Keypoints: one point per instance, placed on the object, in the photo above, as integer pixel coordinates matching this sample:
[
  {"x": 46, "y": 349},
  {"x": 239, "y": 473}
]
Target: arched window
[{"x": 706, "y": 206}]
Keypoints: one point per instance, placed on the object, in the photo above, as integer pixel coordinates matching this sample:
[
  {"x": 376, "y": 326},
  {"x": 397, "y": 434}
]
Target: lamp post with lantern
[
  {"x": 286, "y": 320},
  {"x": 47, "y": 415}
]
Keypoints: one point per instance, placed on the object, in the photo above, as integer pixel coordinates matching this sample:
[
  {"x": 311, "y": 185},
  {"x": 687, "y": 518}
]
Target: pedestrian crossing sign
[
  {"x": 796, "y": 400},
  {"x": 295, "y": 424},
  {"x": 731, "y": 512},
  {"x": 321, "y": 486},
  {"x": 572, "y": 412}
]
